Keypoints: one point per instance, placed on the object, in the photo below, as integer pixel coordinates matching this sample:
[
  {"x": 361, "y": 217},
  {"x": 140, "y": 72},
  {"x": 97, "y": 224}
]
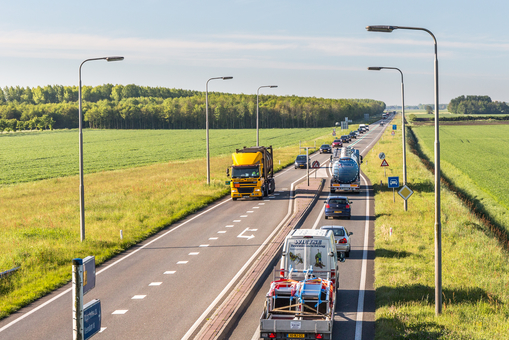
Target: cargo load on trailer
[
  {"x": 346, "y": 170},
  {"x": 252, "y": 172}
]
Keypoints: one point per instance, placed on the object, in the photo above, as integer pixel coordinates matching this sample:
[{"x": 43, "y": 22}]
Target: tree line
[
  {"x": 135, "y": 107},
  {"x": 477, "y": 105}
]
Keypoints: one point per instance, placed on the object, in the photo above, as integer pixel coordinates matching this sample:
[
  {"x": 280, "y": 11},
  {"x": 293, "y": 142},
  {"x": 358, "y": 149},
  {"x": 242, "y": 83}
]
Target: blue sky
[{"x": 307, "y": 48}]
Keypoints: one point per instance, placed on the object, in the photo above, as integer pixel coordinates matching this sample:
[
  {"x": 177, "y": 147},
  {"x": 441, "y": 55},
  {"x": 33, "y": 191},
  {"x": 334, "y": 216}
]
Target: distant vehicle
[
  {"x": 364, "y": 126},
  {"x": 361, "y": 130},
  {"x": 345, "y": 139},
  {"x": 300, "y": 162},
  {"x": 342, "y": 237},
  {"x": 337, "y": 143},
  {"x": 325, "y": 148},
  {"x": 382, "y": 123},
  {"x": 338, "y": 206},
  {"x": 353, "y": 134}
]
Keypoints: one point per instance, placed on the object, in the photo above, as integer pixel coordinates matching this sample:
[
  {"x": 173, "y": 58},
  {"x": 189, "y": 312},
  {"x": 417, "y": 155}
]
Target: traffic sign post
[
  {"x": 315, "y": 165},
  {"x": 393, "y": 183},
  {"x": 86, "y": 319},
  {"x": 405, "y": 192},
  {"x": 384, "y": 165},
  {"x": 91, "y": 319}
]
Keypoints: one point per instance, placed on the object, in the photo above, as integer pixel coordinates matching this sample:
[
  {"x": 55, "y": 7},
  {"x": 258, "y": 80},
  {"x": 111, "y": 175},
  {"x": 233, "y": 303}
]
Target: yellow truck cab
[{"x": 252, "y": 173}]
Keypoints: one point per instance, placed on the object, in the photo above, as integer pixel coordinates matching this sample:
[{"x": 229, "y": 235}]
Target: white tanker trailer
[{"x": 346, "y": 170}]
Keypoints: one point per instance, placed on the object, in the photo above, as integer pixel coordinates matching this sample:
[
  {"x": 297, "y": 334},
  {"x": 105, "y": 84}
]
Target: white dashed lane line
[
  {"x": 155, "y": 283},
  {"x": 212, "y": 238},
  {"x": 169, "y": 272},
  {"x": 138, "y": 297},
  {"x": 229, "y": 226},
  {"x": 221, "y": 232},
  {"x": 249, "y": 212},
  {"x": 236, "y": 221},
  {"x": 193, "y": 254},
  {"x": 120, "y": 312},
  {"x": 203, "y": 245},
  {"x": 182, "y": 262},
  {"x": 243, "y": 215}
]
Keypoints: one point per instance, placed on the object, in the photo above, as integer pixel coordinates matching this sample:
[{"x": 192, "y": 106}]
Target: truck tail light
[
  {"x": 273, "y": 335},
  {"x": 343, "y": 240},
  {"x": 318, "y": 336}
]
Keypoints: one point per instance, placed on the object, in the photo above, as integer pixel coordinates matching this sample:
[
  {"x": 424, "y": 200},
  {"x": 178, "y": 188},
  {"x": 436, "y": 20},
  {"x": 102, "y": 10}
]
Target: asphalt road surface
[{"x": 166, "y": 286}]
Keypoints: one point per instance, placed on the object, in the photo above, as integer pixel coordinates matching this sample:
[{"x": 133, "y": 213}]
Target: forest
[
  {"x": 140, "y": 107},
  {"x": 472, "y": 105}
]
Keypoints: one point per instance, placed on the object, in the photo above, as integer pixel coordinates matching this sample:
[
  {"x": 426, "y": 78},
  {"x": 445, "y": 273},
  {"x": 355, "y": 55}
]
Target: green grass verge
[
  {"x": 40, "y": 219},
  {"x": 475, "y": 264}
]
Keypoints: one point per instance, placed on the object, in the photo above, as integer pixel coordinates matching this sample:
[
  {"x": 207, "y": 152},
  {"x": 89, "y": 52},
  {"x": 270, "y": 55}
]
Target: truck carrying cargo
[
  {"x": 252, "y": 172},
  {"x": 299, "y": 309},
  {"x": 346, "y": 170}
]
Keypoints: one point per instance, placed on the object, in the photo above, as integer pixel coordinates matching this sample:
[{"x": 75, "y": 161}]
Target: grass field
[
  {"x": 30, "y": 156},
  {"x": 39, "y": 220},
  {"x": 475, "y": 265},
  {"x": 475, "y": 158}
]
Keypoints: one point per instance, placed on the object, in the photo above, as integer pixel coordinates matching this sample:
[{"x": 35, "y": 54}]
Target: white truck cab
[{"x": 312, "y": 252}]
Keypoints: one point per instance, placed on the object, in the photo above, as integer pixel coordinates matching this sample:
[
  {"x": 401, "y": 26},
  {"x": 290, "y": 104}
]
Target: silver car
[{"x": 342, "y": 237}]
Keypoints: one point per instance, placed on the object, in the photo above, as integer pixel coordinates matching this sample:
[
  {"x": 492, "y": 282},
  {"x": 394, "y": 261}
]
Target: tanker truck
[
  {"x": 252, "y": 173},
  {"x": 346, "y": 169}
]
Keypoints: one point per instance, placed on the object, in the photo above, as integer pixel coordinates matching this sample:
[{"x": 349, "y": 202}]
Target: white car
[{"x": 342, "y": 238}]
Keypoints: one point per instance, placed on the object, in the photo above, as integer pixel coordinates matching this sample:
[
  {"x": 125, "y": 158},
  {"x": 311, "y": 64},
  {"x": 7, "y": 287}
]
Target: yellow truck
[{"x": 252, "y": 172}]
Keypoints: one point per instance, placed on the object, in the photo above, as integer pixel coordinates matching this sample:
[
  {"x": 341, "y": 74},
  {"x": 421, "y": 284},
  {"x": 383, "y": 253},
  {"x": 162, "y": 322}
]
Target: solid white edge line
[
  {"x": 362, "y": 285},
  {"x": 109, "y": 266}
]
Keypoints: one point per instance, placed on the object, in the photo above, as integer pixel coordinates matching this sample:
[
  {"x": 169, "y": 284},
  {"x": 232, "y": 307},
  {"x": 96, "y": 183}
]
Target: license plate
[
  {"x": 298, "y": 336},
  {"x": 337, "y": 212}
]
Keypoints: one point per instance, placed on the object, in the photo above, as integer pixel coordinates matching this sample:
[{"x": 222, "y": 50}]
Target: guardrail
[{"x": 8, "y": 272}]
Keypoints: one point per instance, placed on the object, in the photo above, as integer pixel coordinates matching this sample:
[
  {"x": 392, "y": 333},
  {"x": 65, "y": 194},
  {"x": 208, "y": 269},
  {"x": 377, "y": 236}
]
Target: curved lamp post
[
  {"x": 405, "y": 204},
  {"x": 257, "y": 109},
  {"x": 207, "y": 120},
  {"x": 82, "y": 192},
  {"x": 438, "y": 225}
]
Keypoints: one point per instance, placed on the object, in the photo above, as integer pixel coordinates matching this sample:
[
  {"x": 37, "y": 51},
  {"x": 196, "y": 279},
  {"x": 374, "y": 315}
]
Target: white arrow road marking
[{"x": 248, "y": 237}]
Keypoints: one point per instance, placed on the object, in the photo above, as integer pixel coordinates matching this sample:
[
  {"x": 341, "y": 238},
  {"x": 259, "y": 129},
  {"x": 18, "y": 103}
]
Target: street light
[
  {"x": 257, "y": 109},
  {"x": 82, "y": 193},
  {"x": 405, "y": 204},
  {"x": 438, "y": 225},
  {"x": 207, "y": 120}
]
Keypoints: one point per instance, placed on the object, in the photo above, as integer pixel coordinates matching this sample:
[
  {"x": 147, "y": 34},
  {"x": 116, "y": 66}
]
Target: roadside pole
[{"x": 77, "y": 299}]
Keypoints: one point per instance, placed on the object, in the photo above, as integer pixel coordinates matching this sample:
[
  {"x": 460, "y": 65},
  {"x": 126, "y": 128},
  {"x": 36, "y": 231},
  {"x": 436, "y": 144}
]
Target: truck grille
[{"x": 245, "y": 190}]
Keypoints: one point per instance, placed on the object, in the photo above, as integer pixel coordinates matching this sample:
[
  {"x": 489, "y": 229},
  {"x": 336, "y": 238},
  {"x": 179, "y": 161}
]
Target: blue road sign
[
  {"x": 91, "y": 318},
  {"x": 394, "y": 127},
  {"x": 88, "y": 274},
  {"x": 393, "y": 182}
]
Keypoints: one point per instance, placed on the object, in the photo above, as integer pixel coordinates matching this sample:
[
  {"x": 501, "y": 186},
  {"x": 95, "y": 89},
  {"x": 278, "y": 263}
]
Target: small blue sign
[
  {"x": 393, "y": 182},
  {"x": 394, "y": 127},
  {"x": 91, "y": 318}
]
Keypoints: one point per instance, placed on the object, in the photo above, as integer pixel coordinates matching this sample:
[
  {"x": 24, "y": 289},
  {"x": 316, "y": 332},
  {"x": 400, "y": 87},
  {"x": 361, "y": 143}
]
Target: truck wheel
[{"x": 234, "y": 198}]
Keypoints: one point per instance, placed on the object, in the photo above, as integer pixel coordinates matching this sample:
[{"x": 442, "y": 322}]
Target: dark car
[
  {"x": 361, "y": 130},
  {"x": 326, "y": 148},
  {"x": 345, "y": 139},
  {"x": 338, "y": 206},
  {"x": 337, "y": 143},
  {"x": 353, "y": 134},
  {"x": 300, "y": 162}
]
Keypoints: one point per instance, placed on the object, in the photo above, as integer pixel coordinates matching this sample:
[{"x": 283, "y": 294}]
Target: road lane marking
[
  {"x": 255, "y": 208},
  {"x": 203, "y": 245},
  {"x": 155, "y": 283},
  {"x": 221, "y": 232},
  {"x": 120, "y": 311},
  {"x": 182, "y": 262},
  {"x": 138, "y": 297},
  {"x": 243, "y": 216},
  {"x": 102, "y": 329},
  {"x": 237, "y": 221},
  {"x": 195, "y": 253},
  {"x": 229, "y": 226},
  {"x": 249, "y": 211},
  {"x": 169, "y": 272},
  {"x": 261, "y": 203},
  {"x": 241, "y": 235},
  {"x": 212, "y": 238},
  {"x": 362, "y": 286}
]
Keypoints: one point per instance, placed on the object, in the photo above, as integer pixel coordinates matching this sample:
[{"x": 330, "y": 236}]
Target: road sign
[
  {"x": 88, "y": 274},
  {"x": 316, "y": 165},
  {"x": 393, "y": 182},
  {"x": 394, "y": 127},
  {"x": 392, "y": 132},
  {"x": 405, "y": 192},
  {"x": 384, "y": 163},
  {"x": 91, "y": 318},
  {"x": 381, "y": 155}
]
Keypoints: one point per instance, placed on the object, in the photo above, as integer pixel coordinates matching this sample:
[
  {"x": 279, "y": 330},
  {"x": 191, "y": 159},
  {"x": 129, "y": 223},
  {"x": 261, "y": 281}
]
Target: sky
[{"x": 315, "y": 48}]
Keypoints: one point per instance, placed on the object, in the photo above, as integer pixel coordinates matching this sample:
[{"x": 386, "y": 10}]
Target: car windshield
[
  {"x": 337, "y": 141},
  {"x": 337, "y": 231},
  {"x": 242, "y": 172},
  {"x": 301, "y": 158},
  {"x": 325, "y": 146},
  {"x": 338, "y": 201}
]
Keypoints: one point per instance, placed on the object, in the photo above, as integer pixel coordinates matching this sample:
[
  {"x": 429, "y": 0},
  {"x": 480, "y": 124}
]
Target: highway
[{"x": 167, "y": 286}]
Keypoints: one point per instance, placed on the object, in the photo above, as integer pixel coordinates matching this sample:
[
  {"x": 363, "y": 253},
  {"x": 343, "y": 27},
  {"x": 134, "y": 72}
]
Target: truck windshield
[{"x": 244, "y": 172}]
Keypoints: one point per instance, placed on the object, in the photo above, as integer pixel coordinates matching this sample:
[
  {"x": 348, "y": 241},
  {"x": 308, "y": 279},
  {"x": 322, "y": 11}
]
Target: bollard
[
  {"x": 121, "y": 235},
  {"x": 390, "y": 232}
]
